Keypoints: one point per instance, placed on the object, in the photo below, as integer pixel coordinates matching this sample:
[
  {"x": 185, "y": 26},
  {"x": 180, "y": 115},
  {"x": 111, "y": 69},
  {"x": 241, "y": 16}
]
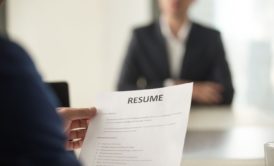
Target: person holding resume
[{"x": 33, "y": 133}]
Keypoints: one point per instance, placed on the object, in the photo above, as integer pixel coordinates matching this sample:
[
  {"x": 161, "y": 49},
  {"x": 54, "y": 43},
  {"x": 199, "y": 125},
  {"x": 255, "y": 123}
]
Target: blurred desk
[{"x": 227, "y": 136}]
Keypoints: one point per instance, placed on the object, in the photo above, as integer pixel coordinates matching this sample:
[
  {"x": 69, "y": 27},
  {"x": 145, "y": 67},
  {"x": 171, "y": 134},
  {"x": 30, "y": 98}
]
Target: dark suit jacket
[
  {"x": 147, "y": 58},
  {"x": 31, "y": 131}
]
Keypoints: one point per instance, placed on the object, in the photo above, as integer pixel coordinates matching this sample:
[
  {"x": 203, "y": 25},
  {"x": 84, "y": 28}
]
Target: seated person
[
  {"x": 32, "y": 133},
  {"x": 176, "y": 50}
]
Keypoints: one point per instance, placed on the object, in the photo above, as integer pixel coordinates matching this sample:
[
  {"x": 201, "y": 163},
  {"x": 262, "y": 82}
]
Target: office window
[{"x": 247, "y": 28}]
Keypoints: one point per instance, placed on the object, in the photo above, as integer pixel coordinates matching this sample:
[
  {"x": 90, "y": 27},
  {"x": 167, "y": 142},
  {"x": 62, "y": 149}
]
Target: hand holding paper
[{"x": 139, "y": 128}]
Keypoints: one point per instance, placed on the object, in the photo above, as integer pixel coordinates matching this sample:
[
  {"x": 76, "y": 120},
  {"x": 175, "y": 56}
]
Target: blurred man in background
[{"x": 176, "y": 50}]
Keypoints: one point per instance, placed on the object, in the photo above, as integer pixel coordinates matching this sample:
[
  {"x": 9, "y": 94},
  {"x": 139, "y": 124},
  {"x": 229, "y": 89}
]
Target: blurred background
[{"x": 84, "y": 42}]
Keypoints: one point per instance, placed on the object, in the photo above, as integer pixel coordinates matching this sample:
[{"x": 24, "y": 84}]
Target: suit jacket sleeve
[
  {"x": 31, "y": 131},
  {"x": 130, "y": 72},
  {"x": 221, "y": 72}
]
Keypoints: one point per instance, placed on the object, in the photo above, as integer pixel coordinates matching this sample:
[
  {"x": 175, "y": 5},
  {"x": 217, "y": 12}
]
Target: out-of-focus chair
[{"x": 61, "y": 90}]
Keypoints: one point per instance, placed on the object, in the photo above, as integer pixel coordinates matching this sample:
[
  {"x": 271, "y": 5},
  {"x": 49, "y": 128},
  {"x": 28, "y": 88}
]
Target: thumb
[{"x": 78, "y": 113}]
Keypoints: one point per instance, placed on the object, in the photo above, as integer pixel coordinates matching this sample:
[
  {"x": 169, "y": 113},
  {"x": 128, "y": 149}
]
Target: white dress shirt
[{"x": 176, "y": 47}]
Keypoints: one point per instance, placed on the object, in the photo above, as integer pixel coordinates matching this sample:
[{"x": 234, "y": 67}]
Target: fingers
[
  {"x": 77, "y": 113},
  {"x": 77, "y": 129},
  {"x": 215, "y": 86},
  {"x": 76, "y": 135},
  {"x": 210, "y": 98},
  {"x": 207, "y": 93},
  {"x": 75, "y": 139},
  {"x": 72, "y": 145},
  {"x": 76, "y": 124}
]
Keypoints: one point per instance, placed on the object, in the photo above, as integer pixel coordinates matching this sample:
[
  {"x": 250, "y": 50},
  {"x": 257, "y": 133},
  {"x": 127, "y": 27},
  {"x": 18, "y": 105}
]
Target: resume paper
[{"x": 138, "y": 128}]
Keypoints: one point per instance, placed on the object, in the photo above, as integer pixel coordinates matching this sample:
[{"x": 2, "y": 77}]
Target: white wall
[
  {"x": 122, "y": 16},
  {"x": 80, "y": 41},
  {"x": 203, "y": 12}
]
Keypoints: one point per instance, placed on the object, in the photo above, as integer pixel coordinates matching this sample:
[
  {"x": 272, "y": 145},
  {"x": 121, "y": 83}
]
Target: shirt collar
[{"x": 182, "y": 34}]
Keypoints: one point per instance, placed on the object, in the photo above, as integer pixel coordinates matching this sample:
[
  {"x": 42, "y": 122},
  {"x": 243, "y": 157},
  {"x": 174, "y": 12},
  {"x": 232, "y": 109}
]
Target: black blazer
[
  {"x": 31, "y": 131},
  {"x": 147, "y": 63}
]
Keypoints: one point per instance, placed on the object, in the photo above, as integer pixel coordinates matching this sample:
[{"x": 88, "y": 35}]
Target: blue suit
[{"x": 31, "y": 130}]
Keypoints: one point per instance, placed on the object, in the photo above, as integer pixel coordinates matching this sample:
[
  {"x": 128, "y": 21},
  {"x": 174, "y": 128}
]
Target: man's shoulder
[
  {"x": 154, "y": 27},
  {"x": 4, "y": 43},
  {"x": 7, "y": 47},
  {"x": 12, "y": 53},
  {"x": 148, "y": 29},
  {"x": 205, "y": 30}
]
